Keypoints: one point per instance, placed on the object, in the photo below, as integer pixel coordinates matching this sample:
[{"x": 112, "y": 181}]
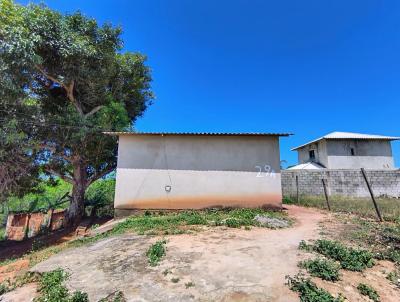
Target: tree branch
[
  {"x": 51, "y": 78},
  {"x": 96, "y": 176},
  {"x": 94, "y": 110},
  {"x": 68, "y": 88},
  {"x": 62, "y": 176}
]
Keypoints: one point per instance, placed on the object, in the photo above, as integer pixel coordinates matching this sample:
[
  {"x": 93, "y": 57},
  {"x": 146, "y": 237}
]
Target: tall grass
[{"x": 389, "y": 207}]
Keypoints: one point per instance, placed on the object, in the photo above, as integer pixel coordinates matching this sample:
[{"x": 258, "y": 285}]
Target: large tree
[{"x": 67, "y": 82}]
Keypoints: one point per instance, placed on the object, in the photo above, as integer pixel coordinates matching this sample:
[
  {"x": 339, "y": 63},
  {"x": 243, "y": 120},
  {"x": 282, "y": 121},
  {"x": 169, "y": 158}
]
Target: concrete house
[
  {"x": 346, "y": 150},
  {"x": 197, "y": 170}
]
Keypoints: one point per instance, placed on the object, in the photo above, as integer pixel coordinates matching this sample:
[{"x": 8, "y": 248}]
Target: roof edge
[
  {"x": 119, "y": 133},
  {"x": 388, "y": 138}
]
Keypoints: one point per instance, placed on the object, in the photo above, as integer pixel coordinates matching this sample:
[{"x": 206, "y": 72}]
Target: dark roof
[{"x": 201, "y": 133}]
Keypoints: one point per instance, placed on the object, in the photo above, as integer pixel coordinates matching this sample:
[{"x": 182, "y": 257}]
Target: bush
[
  {"x": 368, "y": 291},
  {"x": 79, "y": 297},
  {"x": 233, "y": 223},
  {"x": 100, "y": 196},
  {"x": 156, "y": 252},
  {"x": 349, "y": 258},
  {"x": 309, "y": 292},
  {"x": 322, "y": 268},
  {"x": 52, "y": 289}
]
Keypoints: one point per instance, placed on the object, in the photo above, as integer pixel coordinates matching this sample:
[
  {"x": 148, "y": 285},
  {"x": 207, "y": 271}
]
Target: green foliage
[
  {"x": 368, "y": 291},
  {"x": 394, "y": 277},
  {"x": 3, "y": 289},
  {"x": 349, "y": 258},
  {"x": 52, "y": 289},
  {"x": 2, "y": 233},
  {"x": 175, "y": 280},
  {"x": 323, "y": 268},
  {"x": 76, "y": 83},
  {"x": 170, "y": 222},
  {"x": 189, "y": 284},
  {"x": 309, "y": 292},
  {"x": 156, "y": 252},
  {"x": 233, "y": 223},
  {"x": 47, "y": 195},
  {"x": 363, "y": 207},
  {"x": 79, "y": 296},
  {"x": 100, "y": 196}
]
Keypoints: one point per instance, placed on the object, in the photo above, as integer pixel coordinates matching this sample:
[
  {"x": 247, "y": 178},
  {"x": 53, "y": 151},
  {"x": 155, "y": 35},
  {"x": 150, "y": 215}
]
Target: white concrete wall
[
  {"x": 320, "y": 151},
  {"x": 371, "y": 154},
  {"x": 181, "y": 172}
]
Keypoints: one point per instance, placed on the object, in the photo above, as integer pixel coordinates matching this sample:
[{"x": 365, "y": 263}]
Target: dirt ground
[{"x": 222, "y": 264}]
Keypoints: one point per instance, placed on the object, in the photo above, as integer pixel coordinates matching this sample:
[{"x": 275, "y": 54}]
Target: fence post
[
  {"x": 372, "y": 194},
  {"x": 326, "y": 194},
  {"x": 297, "y": 189}
]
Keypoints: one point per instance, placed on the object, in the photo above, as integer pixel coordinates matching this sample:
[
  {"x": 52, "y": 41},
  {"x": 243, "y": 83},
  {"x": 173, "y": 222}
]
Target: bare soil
[
  {"x": 217, "y": 264},
  {"x": 224, "y": 264}
]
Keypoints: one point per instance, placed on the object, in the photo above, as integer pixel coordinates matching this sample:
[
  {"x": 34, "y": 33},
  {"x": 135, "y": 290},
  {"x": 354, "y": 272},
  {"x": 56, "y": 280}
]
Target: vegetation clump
[
  {"x": 52, "y": 289},
  {"x": 156, "y": 252},
  {"x": 309, "y": 291},
  {"x": 394, "y": 277},
  {"x": 368, "y": 291},
  {"x": 349, "y": 258},
  {"x": 323, "y": 268}
]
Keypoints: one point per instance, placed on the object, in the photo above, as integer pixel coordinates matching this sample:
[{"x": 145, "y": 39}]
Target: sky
[{"x": 306, "y": 67}]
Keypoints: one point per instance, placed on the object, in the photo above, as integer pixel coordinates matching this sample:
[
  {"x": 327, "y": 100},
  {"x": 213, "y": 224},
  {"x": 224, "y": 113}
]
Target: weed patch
[
  {"x": 52, "y": 289},
  {"x": 394, "y": 277},
  {"x": 309, "y": 292},
  {"x": 189, "y": 284},
  {"x": 322, "y": 268},
  {"x": 368, "y": 291},
  {"x": 156, "y": 252},
  {"x": 349, "y": 258}
]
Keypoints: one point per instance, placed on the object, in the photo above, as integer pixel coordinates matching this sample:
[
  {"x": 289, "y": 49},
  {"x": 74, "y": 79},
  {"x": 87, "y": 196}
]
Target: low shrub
[
  {"x": 156, "y": 252},
  {"x": 233, "y": 223},
  {"x": 52, "y": 289},
  {"x": 322, "y": 268},
  {"x": 309, "y": 292},
  {"x": 349, "y": 258},
  {"x": 368, "y": 291},
  {"x": 189, "y": 284},
  {"x": 394, "y": 277}
]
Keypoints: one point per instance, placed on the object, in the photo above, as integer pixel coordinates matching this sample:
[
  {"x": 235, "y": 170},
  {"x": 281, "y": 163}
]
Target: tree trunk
[{"x": 77, "y": 208}]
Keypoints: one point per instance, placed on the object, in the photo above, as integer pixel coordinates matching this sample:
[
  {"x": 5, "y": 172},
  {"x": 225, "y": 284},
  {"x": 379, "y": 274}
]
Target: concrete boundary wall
[{"x": 349, "y": 183}]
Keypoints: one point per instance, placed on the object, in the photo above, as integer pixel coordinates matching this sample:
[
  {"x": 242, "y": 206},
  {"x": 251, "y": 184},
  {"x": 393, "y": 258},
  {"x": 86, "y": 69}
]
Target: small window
[
  {"x": 352, "y": 151},
  {"x": 311, "y": 154}
]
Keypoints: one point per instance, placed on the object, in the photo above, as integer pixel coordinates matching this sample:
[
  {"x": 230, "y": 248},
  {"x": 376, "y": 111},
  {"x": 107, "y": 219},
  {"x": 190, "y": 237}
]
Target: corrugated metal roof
[
  {"x": 350, "y": 135},
  {"x": 201, "y": 133}
]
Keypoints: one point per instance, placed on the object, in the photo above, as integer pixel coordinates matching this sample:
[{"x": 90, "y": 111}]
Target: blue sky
[{"x": 306, "y": 67}]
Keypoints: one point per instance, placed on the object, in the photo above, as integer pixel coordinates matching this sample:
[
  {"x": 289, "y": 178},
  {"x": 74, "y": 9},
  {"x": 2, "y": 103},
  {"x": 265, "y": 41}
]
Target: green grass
[
  {"x": 348, "y": 257},
  {"x": 155, "y": 252},
  {"x": 52, "y": 289},
  {"x": 309, "y": 292},
  {"x": 189, "y": 284},
  {"x": 160, "y": 223},
  {"x": 2, "y": 234},
  {"x": 173, "y": 223},
  {"x": 322, "y": 268},
  {"x": 368, "y": 291},
  {"x": 394, "y": 277},
  {"x": 383, "y": 239},
  {"x": 389, "y": 207}
]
